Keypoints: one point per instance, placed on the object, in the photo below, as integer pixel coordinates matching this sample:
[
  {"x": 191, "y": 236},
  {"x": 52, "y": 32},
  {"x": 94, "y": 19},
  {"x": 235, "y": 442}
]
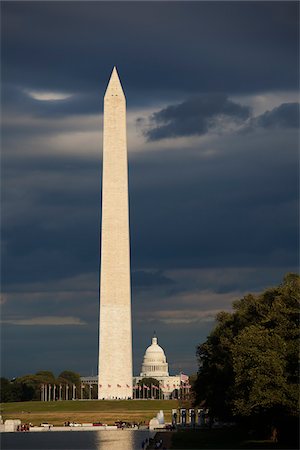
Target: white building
[{"x": 155, "y": 366}]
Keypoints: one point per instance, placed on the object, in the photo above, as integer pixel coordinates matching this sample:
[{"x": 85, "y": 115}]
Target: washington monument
[{"x": 115, "y": 337}]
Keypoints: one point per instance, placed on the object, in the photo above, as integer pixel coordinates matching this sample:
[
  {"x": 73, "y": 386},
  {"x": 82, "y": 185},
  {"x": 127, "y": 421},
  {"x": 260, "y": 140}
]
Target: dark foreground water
[{"x": 74, "y": 440}]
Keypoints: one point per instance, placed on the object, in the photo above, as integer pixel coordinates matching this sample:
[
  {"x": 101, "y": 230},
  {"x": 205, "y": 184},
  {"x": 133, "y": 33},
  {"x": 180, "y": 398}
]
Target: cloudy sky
[{"x": 212, "y": 114}]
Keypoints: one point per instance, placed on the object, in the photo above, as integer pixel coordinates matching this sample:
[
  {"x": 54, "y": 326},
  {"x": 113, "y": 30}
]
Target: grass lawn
[
  {"x": 232, "y": 438},
  {"x": 87, "y": 411}
]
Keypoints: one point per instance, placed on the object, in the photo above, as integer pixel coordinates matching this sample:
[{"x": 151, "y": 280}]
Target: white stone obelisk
[{"x": 115, "y": 337}]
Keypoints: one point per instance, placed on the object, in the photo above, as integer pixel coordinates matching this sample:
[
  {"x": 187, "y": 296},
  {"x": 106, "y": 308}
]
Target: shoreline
[{"x": 76, "y": 429}]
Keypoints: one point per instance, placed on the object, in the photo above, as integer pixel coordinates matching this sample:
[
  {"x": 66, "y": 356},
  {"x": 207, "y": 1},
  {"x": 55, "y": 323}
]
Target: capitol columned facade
[{"x": 154, "y": 366}]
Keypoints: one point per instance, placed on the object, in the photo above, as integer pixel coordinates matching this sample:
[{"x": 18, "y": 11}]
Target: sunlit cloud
[
  {"x": 47, "y": 95},
  {"x": 186, "y": 316},
  {"x": 264, "y": 101},
  {"x": 3, "y": 298},
  {"x": 46, "y": 321}
]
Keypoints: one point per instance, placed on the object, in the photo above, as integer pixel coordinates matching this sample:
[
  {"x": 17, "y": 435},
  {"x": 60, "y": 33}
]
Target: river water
[{"x": 79, "y": 440}]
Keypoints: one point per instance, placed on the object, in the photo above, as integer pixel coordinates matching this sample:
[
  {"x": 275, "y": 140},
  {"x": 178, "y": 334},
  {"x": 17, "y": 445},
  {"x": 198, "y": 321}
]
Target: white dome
[
  {"x": 155, "y": 362},
  {"x": 155, "y": 353}
]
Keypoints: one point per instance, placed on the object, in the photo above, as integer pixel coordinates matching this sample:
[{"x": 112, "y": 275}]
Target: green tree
[
  {"x": 28, "y": 387},
  {"x": 67, "y": 377},
  {"x": 6, "y": 391},
  {"x": 148, "y": 381},
  {"x": 31, "y": 384},
  {"x": 45, "y": 376},
  {"x": 70, "y": 377},
  {"x": 248, "y": 366},
  {"x": 214, "y": 383},
  {"x": 15, "y": 391},
  {"x": 260, "y": 372}
]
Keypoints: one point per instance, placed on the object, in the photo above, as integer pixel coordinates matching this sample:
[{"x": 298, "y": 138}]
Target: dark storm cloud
[
  {"x": 189, "y": 209},
  {"x": 284, "y": 116},
  {"x": 221, "y": 209},
  {"x": 209, "y": 219},
  {"x": 36, "y": 246},
  {"x": 195, "y": 116},
  {"x": 146, "y": 279},
  {"x": 162, "y": 47},
  {"x": 45, "y": 353},
  {"x": 199, "y": 115}
]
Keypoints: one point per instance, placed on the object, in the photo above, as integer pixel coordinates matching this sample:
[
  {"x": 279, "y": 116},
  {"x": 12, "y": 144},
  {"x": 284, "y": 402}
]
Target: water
[{"x": 78, "y": 440}]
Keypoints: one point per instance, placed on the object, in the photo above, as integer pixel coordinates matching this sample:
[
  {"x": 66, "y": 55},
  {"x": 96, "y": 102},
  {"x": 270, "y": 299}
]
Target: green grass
[
  {"x": 86, "y": 405},
  {"x": 87, "y": 411}
]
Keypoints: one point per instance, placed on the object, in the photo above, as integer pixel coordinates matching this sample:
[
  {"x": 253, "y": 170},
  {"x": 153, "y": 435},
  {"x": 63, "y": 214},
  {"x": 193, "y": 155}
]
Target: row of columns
[
  {"x": 153, "y": 392},
  {"x": 146, "y": 392},
  {"x": 190, "y": 417},
  {"x": 184, "y": 391},
  {"x": 53, "y": 392}
]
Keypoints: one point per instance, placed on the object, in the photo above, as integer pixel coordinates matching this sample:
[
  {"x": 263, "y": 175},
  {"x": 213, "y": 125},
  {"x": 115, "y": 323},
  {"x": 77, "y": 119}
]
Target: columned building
[
  {"x": 155, "y": 361},
  {"x": 155, "y": 366}
]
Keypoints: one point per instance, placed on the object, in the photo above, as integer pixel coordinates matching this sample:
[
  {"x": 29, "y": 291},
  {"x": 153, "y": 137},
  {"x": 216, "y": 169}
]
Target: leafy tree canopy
[
  {"x": 14, "y": 391},
  {"x": 249, "y": 362},
  {"x": 148, "y": 381},
  {"x": 28, "y": 387},
  {"x": 46, "y": 376},
  {"x": 67, "y": 376}
]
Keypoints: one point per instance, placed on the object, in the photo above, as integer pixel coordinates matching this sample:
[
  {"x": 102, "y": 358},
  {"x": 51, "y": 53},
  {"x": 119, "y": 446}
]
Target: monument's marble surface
[{"x": 115, "y": 337}]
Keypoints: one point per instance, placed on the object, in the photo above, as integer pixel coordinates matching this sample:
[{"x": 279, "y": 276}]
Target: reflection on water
[
  {"x": 74, "y": 440},
  {"x": 119, "y": 439}
]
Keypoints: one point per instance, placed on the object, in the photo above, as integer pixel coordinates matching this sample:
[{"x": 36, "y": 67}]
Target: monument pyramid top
[{"x": 114, "y": 87}]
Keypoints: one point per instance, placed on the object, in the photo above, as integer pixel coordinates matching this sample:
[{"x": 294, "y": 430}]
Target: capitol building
[{"x": 154, "y": 366}]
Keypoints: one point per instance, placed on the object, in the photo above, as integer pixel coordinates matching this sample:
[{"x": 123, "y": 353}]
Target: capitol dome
[{"x": 155, "y": 362}]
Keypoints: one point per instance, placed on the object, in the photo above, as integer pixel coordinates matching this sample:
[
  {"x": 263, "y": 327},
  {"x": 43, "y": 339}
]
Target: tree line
[
  {"x": 249, "y": 364},
  {"x": 28, "y": 387}
]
